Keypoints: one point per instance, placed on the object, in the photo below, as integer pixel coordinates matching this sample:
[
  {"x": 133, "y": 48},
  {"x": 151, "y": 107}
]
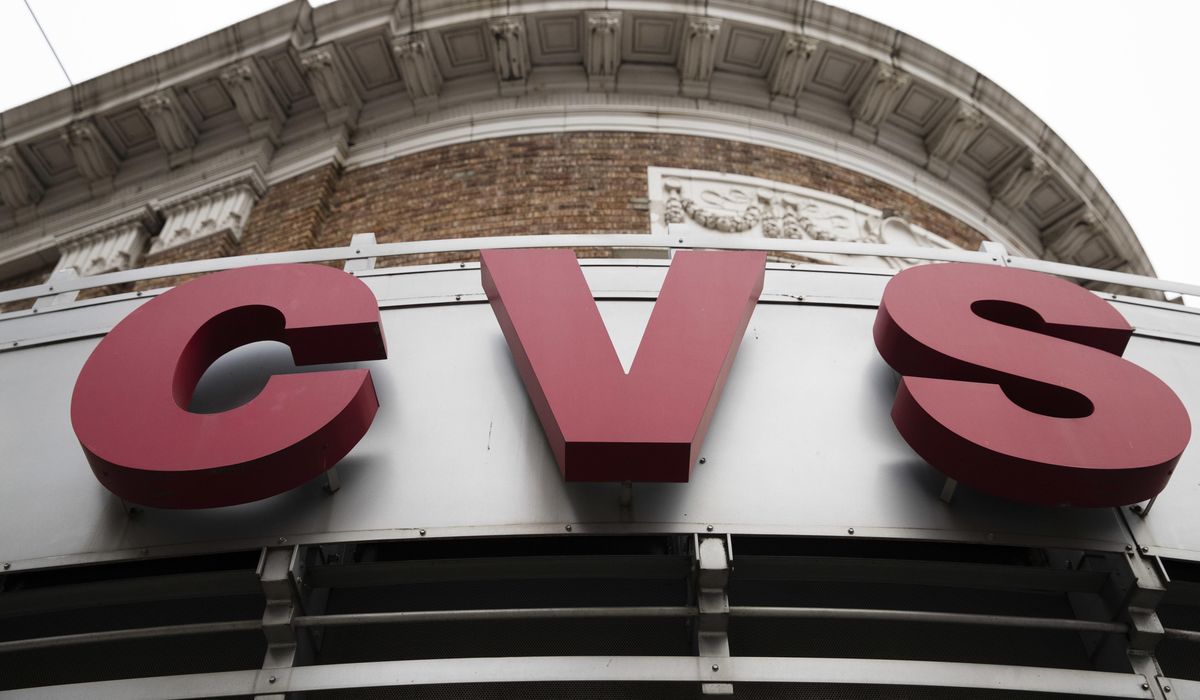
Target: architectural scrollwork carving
[
  {"x": 1016, "y": 181},
  {"x": 737, "y": 205},
  {"x": 253, "y": 99},
  {"x": 94, "y": 158},
  {"x": 172, "y": 125},
  {"x": 956, "y": 130},
  {"x": 19, "y": 187},
  {"x": 329, "y": 82},
  {"x": 114, "y": 245},
  {"x": 877, "y": 96},
  {"x": 417, "y": 66},
  {"x": 221, "y": 209},
  {"x": 697, "y": 52},
  {"x": 793, "y": 66},
  {"x": 602, "y": 57},
  {"x": 510, "y": 48}
]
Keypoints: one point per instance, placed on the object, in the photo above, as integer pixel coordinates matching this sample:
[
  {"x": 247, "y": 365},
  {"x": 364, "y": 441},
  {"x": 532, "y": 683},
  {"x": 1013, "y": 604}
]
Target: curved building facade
[{"x": 806, "y": 548}]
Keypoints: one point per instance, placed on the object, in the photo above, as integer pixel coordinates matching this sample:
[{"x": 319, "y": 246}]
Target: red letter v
[{"x": 603, "y": 424}]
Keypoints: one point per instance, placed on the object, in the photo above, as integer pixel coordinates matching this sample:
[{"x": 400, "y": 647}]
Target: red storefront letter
[
  {"x": 1013, "y": 384},
  {"x": 129, "y": 409},
  {"x": 603, "y": 424}
]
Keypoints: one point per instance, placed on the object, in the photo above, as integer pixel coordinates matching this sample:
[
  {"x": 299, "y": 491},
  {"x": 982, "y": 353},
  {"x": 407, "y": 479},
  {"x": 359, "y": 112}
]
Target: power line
[{"x": 43, "y": 31}]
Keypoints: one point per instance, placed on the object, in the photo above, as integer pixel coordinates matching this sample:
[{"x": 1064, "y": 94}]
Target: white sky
[{"x": 1117, "y": 84}]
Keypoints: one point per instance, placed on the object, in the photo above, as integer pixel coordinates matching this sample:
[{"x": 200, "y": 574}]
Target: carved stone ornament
[
  {"x": 172, "y": 125},
  {"x": 255, "y": 102},
  {"x": 1016, "y": 181},
  {"x": 878, "y": 95},
  {"x": 327, "y": 79},
  {"x": 954, "y": 133},
  {"x": 698, "y": 49},
  {"x": 793, "y": 65},
  {"x": 1079, "y": 239},
  {"x": 710, "y": 202},
  {"x": 110, "y": 246},
  {"x": 220, "y": 210},
  {"x": 603, "y": 52},
  {"x": 510, "y": 48},
  {"x": 19, "y": 187},
  {"x": 417, "y": 66},
  {"x": 94, "y": 158}
]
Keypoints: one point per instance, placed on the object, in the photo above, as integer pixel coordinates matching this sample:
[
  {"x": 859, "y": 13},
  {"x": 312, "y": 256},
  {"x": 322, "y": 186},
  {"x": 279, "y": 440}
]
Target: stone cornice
[{"x": 976, "y": 139}]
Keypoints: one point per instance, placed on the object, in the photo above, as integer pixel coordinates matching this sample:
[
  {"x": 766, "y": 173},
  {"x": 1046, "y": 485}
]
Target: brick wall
[{"x": 550, "y": 183}]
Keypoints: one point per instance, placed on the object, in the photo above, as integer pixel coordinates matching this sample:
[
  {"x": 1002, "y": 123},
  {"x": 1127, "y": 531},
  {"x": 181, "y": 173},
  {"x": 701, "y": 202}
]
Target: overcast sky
[{"x": 1116, "y": 80}]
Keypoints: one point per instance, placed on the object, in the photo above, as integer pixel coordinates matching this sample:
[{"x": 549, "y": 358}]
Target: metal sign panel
[{"x": 801, "y": 442}]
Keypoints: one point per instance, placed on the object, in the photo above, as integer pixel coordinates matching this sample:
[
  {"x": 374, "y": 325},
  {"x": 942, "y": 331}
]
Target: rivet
[
  {"x": 568, "y": 528},
  {"x": 139, "y": 294},
  {"x": 1128, "y": 548},
  {"x": 1166, "y": 688},
  {"x": 422, "y": 533},
  {"x": 52, "y": 289},
  {"x": 793, "y": 266},
  {"x": 1136, "y": 508},
  {"x": 271, "y": 679},
  {"x": 7, "y": 566},
  {"x": 708, "y": 527},
  {"x": 462, "y": 264},
  {"x": 716, "y": 667},
  {"x": 850, "y": 530},
  {"x": 1145, "y": 550},
  {"x": 703, "y": 460},
  {"x": 357, "y": 252},
  {"x": 1145, "y": 686},
  {"x": 282, "y": 540},
  {"x": 457, "y": 297}
]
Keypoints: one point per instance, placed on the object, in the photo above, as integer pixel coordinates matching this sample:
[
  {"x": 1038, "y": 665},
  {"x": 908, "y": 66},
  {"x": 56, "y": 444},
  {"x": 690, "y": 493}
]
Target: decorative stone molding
[
  {"x": 329, "y": 81},
  {"x": 19, "y": 187},
  {"x": 114, "y": 245},
  {"x": 792, "y": 67},
  {"x": 748, "y": 206},
  {"x": 172, "y": 125},
  {"x": 93, "y": 157},
  {"x": 253, "y": 99},
  {"x": 877, "y": 96},
  {"x": 1078, "y": 238},
  {"x": 219, "y": 209},
  {"x": 602, "y": 55},
  {"x": 1016, "y": 181},
  {"x": 418, "y": 66},
  {"x": 952, "y": 135},
  {"x": 696, "y": 53},
  {"x": 510, "y": 48}
]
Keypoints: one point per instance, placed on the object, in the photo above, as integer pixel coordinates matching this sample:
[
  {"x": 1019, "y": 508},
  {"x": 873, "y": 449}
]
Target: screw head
[
  {"x": 462, "y": 264},
  {"x": 1145, "y": 549},
  {"x": 1128, "y": 548},
  {"x": 422, "y": 532},
  {"x": 51, "y": 289},
  {"x": 716, "y": 667},
  {"x": 850, "y": 530},
  {"x": 357, "y": 252},
  {"x": 1136, "y": 508},
  {"x": 708, "y": 527},
  {"x": 282, "y": 540},
  {"x": 7, "y": 566},
  {"x": 271, "y": 679},
  {"x": 568, "y": 528},
  {"x": 1166, "y": 688},
  {"x": 1145, "y": 686},
  {"x": 138, "y": 294},
  {"x": 703, "y": 460}
]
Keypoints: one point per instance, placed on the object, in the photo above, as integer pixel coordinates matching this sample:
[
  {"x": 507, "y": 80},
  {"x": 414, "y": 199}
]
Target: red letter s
[
  {"x": 129, "y": 408},
  {"x": 1013, "y": 384}
]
